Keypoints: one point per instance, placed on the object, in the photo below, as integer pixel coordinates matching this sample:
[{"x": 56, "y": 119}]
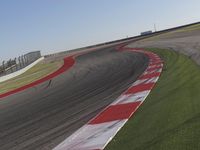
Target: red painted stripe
[
  {"x": 116, "y": 112},
  {"x": 68, "y": 63},
  {"x": 156, "y": 74},
  {"x": 139, "y": 88},
  {"x": 152, "y": 61},
  {"x": 156, "y": 63},
  {"x": 154, "y": 68}
]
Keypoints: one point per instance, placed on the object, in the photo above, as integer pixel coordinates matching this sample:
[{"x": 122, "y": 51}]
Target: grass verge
[
  {"x": 170, "y": 34},
  {"x": 37, "y": 72},
  {"x": 190, "y": 28},
  {"x": 169, "y": 119}
]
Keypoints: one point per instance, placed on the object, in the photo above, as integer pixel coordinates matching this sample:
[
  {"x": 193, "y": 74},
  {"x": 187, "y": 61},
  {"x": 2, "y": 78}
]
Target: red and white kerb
[{"x": 98, "y": 132}]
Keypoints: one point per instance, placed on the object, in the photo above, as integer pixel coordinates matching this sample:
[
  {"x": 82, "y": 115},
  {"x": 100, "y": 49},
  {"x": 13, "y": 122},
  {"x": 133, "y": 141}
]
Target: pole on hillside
[{"x": 155, "y": 27}]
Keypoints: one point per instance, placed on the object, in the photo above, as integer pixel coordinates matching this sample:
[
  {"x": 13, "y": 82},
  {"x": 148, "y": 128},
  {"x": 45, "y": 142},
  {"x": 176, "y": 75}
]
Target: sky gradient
[{"x": 56, "y": 25}]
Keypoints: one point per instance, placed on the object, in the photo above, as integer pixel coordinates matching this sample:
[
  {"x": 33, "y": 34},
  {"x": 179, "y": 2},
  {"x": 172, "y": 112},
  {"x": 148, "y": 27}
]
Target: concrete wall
[{"x": 19, "y": 72}]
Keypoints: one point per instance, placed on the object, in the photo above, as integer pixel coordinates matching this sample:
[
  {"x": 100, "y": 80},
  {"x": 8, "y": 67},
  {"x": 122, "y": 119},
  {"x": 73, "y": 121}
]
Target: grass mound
[
  {"x": 169, "y": 119},
  {"x": 37, "y": 72}
]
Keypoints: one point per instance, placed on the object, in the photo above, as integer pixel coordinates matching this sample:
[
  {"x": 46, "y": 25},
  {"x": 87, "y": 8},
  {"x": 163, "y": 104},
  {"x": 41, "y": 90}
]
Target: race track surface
[{"x": 43, "y": 116}]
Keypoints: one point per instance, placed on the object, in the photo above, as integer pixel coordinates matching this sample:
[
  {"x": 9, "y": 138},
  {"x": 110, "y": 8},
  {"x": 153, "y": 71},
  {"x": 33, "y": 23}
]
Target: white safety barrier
[{"x": 19, "y": 72}]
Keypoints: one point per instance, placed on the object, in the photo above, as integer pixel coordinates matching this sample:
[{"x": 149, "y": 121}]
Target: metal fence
[{"x": 12, "y": 65}]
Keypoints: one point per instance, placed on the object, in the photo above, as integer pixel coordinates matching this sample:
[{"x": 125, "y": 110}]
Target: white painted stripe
[
  {"x": 130, "y": 98},
  {"x": 145, "y": 81},
  {"x": 153, "y": 71},
  {"x": 153, "y": 66},
  {"x": 91, "y": 137},
  {"x": 97, "y": 136}
]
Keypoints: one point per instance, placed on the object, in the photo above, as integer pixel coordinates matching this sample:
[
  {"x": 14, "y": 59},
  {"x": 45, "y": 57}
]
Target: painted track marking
[{"x": 98, "y": 132}]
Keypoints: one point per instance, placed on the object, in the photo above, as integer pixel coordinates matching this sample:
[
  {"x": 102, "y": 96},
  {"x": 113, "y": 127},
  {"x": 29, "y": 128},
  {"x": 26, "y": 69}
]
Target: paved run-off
[{"x": 170, "y": 116}]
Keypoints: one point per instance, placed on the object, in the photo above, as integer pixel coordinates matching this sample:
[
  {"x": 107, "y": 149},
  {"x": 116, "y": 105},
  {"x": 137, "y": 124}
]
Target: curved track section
[
  {"x": 44, "y": 115},
  {"x": 98, "y": 132},
  {"x": 68, "y": 63}
]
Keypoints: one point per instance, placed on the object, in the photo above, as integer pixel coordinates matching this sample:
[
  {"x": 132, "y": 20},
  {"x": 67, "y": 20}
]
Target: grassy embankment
[
  {"x": 171, "y": 34},
  {"x": 37, "y": 72},
  {"x": 169, "y": 119}
]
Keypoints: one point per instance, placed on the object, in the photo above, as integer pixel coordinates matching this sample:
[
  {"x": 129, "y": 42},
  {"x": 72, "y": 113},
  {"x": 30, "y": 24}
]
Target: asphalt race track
[{"x": 43, "y": 116}]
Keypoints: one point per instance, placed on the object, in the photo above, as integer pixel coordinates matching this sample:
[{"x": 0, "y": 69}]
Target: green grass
[
  {"x": 37, "y": 72},
  {"x": 169, "y": 119},
  {"x": 190, "y": 28}
]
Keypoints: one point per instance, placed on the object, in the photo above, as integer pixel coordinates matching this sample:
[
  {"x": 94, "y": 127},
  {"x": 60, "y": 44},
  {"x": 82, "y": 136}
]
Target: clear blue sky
[{"x": 54, "y": 25}]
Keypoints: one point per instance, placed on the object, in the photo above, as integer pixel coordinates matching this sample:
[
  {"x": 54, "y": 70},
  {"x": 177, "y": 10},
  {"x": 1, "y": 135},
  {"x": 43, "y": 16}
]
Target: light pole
[{"x": 155, "y": 27}]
